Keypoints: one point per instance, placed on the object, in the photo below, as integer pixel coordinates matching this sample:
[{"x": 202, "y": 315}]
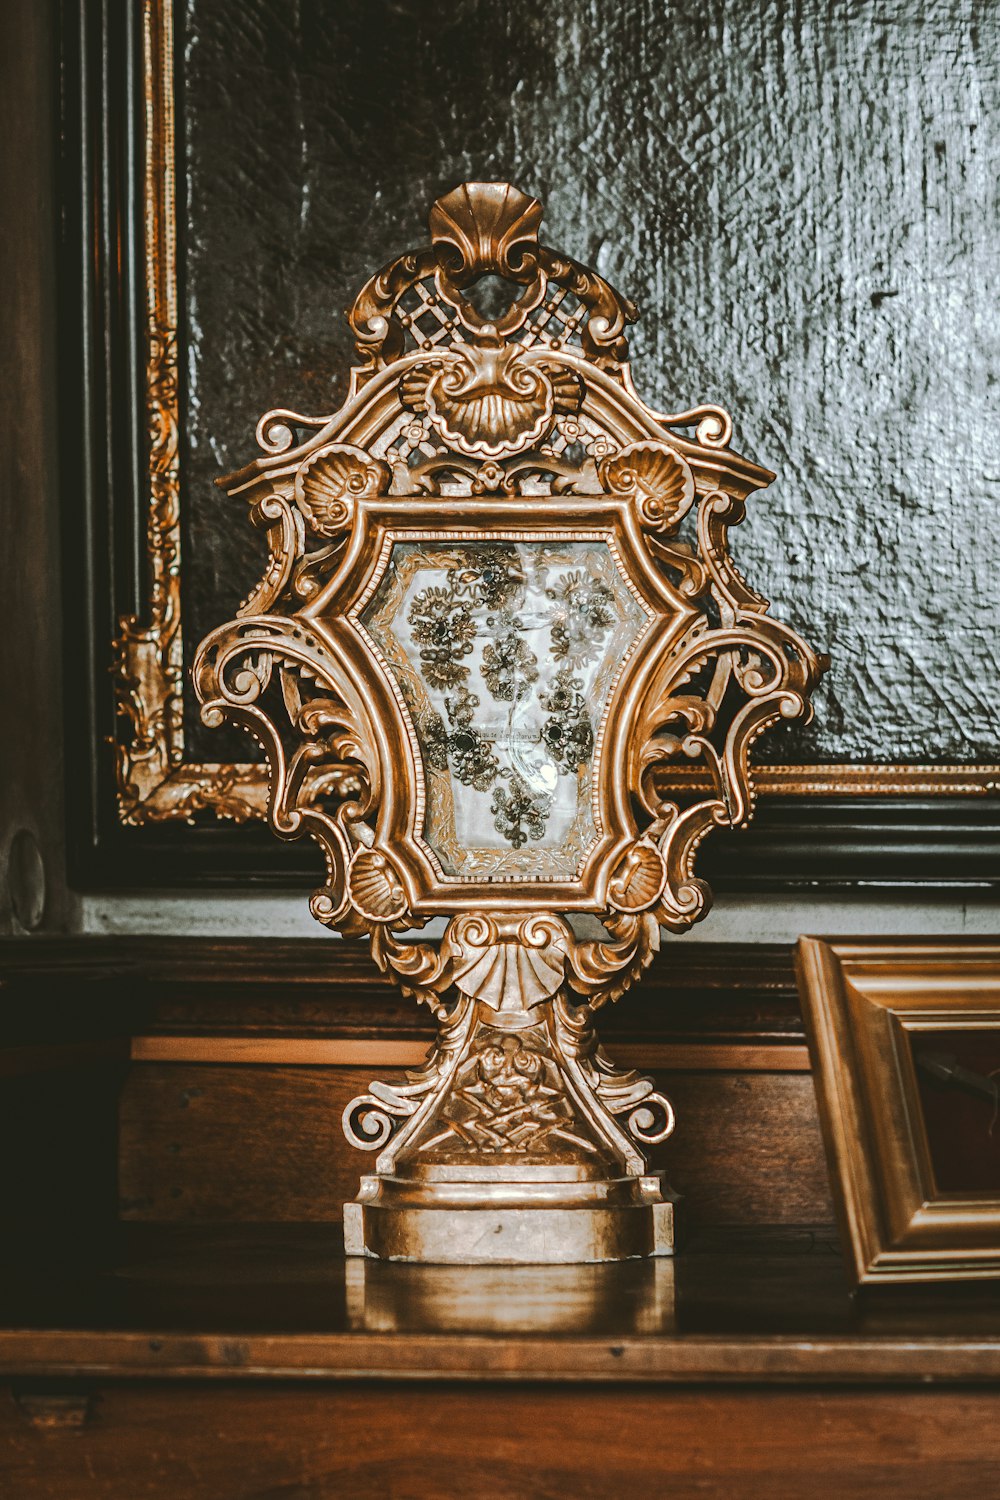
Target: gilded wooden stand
[
  {"x": 517, "y": 1140},
  {"x": 498, "y": 610}
]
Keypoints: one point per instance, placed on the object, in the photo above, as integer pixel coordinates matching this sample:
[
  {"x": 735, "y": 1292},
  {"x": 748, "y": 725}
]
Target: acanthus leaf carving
[
  {"x": 649, "y": 1114},
  {"x": 602, "y": 970},
  {"x": 324, "y": 770},
  {"x": 282, "y": 523}
]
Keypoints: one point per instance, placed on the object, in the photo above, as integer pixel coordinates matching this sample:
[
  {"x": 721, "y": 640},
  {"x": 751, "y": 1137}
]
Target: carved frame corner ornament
[
  {"x": 156, "y": 781},
  {"x": 578, "y": 541},
  {"x": 155, "y": 784}
]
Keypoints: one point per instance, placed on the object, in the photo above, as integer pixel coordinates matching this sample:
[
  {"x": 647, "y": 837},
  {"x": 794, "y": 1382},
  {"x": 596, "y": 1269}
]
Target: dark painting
[
  {"x": 958, "y": 1077},
  {"x": 802, "y": 202}
]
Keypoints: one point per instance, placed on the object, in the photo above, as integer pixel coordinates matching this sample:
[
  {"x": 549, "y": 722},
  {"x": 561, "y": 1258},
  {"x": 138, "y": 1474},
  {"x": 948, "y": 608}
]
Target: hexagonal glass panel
[{"x": 505, "y": 654}]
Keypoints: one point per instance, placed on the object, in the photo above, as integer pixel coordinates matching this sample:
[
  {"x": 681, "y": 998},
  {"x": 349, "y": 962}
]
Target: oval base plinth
[{"x": 506, "y": 1233}]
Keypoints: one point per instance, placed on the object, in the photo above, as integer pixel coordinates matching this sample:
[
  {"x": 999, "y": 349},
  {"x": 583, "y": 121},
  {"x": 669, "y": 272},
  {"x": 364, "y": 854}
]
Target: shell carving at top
[
  {"x": 487, "y": 400},
  {"x": 486, "y": 227}
]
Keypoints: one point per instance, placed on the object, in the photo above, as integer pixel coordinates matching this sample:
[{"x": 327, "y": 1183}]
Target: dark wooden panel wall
[
  {"x": 32, "y": 835},
  {"x": 245, "y": 1054},
  {"x": 265, "y": 1142}
]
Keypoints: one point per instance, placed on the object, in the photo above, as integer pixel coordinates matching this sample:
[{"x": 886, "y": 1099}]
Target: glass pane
[{"x": 506, "y": 654}]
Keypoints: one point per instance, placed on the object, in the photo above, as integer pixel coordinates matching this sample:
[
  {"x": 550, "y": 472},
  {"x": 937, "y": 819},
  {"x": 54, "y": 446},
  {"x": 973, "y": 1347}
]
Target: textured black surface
[{"x": 801, "y": 198}]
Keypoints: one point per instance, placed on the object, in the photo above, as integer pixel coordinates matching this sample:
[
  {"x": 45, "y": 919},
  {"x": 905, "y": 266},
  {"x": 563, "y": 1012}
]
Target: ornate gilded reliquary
[{"x": 498, "y": 612}]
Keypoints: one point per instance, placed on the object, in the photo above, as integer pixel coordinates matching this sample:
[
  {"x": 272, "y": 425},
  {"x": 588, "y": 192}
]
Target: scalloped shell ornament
[
  {"x": 374, "y": 886},
  {"x": 483, "y": 223},
  {"x": 330, "y": 481},
  {"x": 657, "y": 477},
  {"x": 487, "y": 400},
  {"x": 508, "y": 975},
  {"x": 638, "y": 879}
]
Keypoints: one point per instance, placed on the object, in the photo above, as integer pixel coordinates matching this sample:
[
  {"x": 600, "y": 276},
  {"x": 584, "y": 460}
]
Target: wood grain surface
[
  {"x": 243, "y": 1142},
  {"x": 70, "y": 987},
  {"x": 257, "y": 1135},
  {"x": 406, "y": 1443}
]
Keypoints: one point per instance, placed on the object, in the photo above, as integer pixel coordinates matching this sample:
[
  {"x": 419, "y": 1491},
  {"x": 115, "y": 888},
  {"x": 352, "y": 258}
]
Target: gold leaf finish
[
  {"x": 638, "y": 881},
  {"x": 148, "y": 656},
  {"x": 479, "y": 226},
  {"x": 658, "y": 478},
  {"x": 487, "y": 400},
  {"x": 511, "y": 972},
  {"x": 375, "y": 887}
]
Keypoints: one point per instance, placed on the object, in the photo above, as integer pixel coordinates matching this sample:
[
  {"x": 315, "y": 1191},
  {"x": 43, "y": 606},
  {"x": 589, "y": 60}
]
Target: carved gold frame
[
  {"x": 862, "y": 1002},
  {"x": 383, "y": 521},
  {"x": 155, "y": 782}
]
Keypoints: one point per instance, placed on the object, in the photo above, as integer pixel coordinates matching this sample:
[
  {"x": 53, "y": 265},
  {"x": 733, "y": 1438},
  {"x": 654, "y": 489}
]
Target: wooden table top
[{"x": 268, "y": 1301}]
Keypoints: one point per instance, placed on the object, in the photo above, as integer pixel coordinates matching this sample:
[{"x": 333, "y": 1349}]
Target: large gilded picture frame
[{"x": 894, "y": 824}]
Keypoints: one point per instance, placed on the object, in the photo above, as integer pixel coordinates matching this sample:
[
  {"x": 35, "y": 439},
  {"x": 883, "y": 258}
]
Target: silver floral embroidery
[
  {"x": 509, "y": 666},
  {"x": 567, "y": 731},
  {"x": 471, "y": 758},
  {"x": 518, "y": 815},
  {"x": 504, "y": 652},
  {"x": 443, "y": 626},
  {"x": 444, "y": 630},
  {"x": 583, "y": 610}
]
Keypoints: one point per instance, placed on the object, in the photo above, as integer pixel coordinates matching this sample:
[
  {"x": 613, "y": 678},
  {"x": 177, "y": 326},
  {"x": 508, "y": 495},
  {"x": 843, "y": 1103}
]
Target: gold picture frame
[
  {"x": 157, "y": 781},
  {"x": 877, "y": 1014}
]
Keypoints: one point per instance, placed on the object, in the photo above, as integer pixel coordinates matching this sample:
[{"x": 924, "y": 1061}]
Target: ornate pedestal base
[{"x": 515, "y": 1143}]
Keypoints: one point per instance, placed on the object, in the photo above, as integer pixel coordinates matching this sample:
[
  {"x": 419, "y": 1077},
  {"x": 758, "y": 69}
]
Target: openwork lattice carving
[{"x": 498, "y": 601}]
